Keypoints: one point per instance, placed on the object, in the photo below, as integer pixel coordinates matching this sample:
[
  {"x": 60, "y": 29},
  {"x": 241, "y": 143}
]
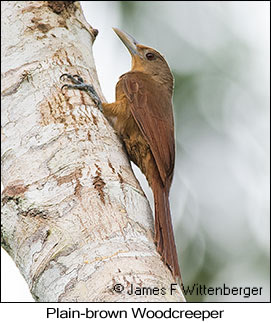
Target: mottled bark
[{"x": 74, "y": 218}]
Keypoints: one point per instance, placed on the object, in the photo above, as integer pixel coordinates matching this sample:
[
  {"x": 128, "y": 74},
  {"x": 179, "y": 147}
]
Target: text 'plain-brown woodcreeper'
[{"x": 142, "y": 116}]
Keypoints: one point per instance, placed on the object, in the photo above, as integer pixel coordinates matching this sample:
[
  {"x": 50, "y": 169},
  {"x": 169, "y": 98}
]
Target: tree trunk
[{"x": 74, "y": 218}]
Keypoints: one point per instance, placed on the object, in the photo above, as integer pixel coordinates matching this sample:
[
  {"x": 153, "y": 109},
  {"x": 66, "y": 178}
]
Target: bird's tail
[{"x": 164, "y": 236}]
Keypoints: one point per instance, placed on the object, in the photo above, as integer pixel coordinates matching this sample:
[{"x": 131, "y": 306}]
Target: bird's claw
[
  {"x": 75, "y": 79},
  {"x": 78, "y": 84}
]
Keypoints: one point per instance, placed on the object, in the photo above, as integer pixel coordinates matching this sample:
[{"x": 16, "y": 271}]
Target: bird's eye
[{"x": 150, "y": 56}]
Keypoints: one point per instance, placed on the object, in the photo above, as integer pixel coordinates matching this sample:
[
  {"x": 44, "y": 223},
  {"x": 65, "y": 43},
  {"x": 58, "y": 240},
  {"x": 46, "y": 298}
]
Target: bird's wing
[{"x": 151, "y": 107}]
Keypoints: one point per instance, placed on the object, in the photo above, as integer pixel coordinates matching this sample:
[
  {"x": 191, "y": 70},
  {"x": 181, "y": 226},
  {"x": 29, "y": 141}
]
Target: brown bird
[{"x": 142, "y": 116}]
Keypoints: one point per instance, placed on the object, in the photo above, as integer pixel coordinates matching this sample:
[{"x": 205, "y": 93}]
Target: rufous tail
[{"x": 164, "y": 235}]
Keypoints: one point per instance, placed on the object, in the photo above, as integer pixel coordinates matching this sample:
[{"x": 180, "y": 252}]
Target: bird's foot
[{"x": 78, "y": 83}]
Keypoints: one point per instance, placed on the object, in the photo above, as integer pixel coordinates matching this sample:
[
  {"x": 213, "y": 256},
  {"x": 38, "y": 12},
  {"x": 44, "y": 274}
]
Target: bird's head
[{"x": 146, "y": 59}]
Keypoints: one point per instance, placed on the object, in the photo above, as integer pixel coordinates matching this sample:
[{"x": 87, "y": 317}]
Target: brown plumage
[{"x": 142, "y": 115}]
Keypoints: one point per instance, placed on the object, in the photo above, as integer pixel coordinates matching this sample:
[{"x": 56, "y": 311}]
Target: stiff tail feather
[{"x": 164, "y": 236}]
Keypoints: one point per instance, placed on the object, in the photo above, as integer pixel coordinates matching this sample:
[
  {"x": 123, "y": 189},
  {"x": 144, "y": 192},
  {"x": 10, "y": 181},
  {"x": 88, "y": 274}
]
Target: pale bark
[{"x": 74, "y": 217}]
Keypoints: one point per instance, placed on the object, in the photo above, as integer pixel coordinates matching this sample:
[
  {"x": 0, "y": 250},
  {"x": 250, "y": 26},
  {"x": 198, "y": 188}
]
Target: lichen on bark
[{"x": 74, "y": 218}]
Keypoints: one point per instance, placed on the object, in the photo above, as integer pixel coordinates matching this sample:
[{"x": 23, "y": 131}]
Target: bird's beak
[{"x": 128, "y": 41}]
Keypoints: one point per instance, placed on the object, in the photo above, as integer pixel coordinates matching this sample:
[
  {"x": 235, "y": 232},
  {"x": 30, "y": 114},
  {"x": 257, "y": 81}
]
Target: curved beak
[{"x": 128, "y": 41}]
